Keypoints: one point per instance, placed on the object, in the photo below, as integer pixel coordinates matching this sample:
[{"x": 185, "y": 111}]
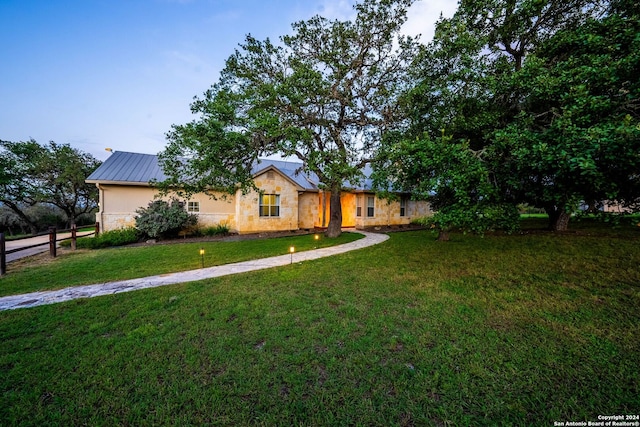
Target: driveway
[{"x": 43, "y": 240}]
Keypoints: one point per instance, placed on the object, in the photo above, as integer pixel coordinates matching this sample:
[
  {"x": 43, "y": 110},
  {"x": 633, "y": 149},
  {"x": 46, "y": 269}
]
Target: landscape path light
[
  {"x": 202, "y": 256},
  {"x": 291, "y": 251},
  {"x": 317, "y": 238}
]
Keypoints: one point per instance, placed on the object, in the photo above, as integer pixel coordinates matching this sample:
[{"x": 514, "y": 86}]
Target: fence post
[
  {"x": 52, "y": 242},
  {"x": 97, "y": 228},
  {"x": 74, "y": 233},
  {"x": 3, "y": 256}
]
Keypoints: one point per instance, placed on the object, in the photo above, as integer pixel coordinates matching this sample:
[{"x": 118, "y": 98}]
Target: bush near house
[
  {"x": 216, "y": 230},
  {"x": 164, "y": 219},
  {"x": 107, "y": 239}
]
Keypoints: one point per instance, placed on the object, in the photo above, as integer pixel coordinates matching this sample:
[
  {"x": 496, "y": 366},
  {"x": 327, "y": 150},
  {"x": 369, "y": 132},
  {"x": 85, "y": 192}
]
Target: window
[
  {"x": 370, "y": 205},
  {"x": 358, "y": 206},
  {"x": 403, "y": 206},
  {"x": 270, "y": 205},
  {"x": 193, "y": 207}
]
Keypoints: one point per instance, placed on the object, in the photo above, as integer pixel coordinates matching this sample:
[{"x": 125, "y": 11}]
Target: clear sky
[{"x": 119, "y": 73}]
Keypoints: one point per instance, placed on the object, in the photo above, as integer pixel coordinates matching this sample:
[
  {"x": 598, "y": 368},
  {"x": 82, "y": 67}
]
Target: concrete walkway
[{"x": 89, "y": 291}]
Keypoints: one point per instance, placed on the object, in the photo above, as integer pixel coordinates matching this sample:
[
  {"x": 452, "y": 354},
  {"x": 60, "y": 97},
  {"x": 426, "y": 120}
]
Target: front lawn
[
  {"x": 502, "y": 330},
  {"x": 85, "y": 267}
]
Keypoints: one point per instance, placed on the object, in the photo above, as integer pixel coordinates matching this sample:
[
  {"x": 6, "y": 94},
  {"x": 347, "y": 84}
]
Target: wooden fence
[{"x": 52, "y": 242}]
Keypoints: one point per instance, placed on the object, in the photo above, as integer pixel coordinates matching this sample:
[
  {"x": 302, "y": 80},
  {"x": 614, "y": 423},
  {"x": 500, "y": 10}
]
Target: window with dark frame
[
  {"x": 403, "y": 206},
  {"x": 270, "y": 205},
  {"x": 358, "y": 205},
  {"x": 193, "y": 207}
]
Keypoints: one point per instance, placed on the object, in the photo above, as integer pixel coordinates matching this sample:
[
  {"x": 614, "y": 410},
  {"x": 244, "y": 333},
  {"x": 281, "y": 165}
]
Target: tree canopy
[
  {"x": 324, "y": 95},
  {"x": 576, "y": 139},
  {"x": 53, "y": 174},
  {"x": 18, "y": 189},
  {"x": 541, "y": 96},
  {"x": 514, "y": 101}
]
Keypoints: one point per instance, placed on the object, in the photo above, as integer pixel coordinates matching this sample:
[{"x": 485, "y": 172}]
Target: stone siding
[
  {"x": 248, "y": 219},
  {"x": 297, "y": 209}
]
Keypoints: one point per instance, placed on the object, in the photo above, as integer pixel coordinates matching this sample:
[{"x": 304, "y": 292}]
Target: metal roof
[
  {"x": 131, "y": 168},
  {"x": 139, "y": 169},
  {"x": 292, "y": 170}
]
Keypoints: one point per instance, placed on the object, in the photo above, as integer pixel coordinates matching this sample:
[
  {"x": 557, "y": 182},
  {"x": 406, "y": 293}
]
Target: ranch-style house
[{"x": 289, "y": 199}]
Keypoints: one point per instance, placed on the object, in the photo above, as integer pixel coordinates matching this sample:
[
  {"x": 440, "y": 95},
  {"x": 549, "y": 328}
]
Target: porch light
[
  {"x": 202, "y": 256},
  {"x": 291, "y": 251}
]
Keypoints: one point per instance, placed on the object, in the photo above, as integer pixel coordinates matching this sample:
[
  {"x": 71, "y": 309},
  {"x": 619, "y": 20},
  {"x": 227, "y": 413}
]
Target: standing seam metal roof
[
  {"x": 136, "y": 168},
  {"x": 128, "y": 168}
]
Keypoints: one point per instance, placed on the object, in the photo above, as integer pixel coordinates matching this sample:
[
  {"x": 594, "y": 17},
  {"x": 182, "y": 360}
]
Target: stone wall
[
  {"x": 248, "y": 219},
  {"x": 308, "y": 210},
  {"x": 298, "y": 209},
  {"x": 387, "y": 212}
]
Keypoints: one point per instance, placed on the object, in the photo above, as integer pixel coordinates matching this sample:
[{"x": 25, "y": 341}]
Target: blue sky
[{"x": 118, "y": 74}]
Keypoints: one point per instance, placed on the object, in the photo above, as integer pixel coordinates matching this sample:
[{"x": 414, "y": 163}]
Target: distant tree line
[{"x": 43, "y": 185}]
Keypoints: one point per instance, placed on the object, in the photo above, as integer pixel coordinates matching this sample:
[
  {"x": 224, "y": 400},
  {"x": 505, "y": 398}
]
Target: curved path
[{"x": 89, "y": 291}]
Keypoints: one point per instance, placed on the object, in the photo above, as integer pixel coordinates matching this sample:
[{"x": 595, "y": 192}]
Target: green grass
[
  {"x": 502, "y": 330},
  {"x": 105, "y": 265},
  {"x": 534, "y": 215}
]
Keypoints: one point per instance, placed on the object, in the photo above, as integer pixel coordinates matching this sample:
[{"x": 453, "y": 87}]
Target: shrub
[
  {"x": 423, "y": 220},
  {"x": 163, "y": 219},
  {"x": 217, "y": 230},
  {"x": 107, "y": 239}
]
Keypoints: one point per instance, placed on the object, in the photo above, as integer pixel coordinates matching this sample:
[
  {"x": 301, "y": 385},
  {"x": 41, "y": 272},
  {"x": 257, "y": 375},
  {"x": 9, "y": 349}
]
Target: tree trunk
[
  {"x": 443, "y": 235},
  {"x": 324, "y": 209},
  {"x": 32, "y": 225},
  {"x": 558, "y": 219},
  {"x": 70, "y": 214},
  {"x": 562, "y": 221},
  {"x": 334, "y": 229}
]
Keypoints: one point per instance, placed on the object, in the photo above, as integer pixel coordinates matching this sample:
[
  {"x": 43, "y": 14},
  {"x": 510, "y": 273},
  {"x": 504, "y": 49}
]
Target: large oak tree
[
  {"x": 324, "y": 95},
  {"x": 61, "y": 175},
  {"x": 541, "y": 95},
  {"x": 576, "y": 139},
  {"x": 18, "y": 188},
  {"x": 31, "y": 173}
]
